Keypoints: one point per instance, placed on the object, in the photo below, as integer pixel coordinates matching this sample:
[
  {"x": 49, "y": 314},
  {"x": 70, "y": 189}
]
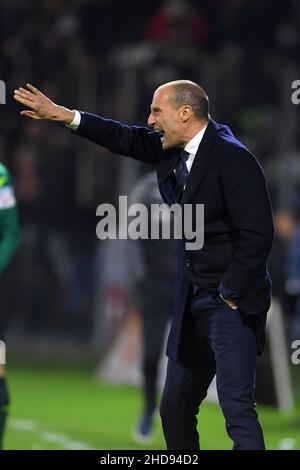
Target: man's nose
[{"x": 151, "y": 120}]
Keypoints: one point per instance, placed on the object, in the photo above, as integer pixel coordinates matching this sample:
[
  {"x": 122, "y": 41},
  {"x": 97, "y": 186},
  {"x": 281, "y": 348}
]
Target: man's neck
[{"x": 193, "y": 130}]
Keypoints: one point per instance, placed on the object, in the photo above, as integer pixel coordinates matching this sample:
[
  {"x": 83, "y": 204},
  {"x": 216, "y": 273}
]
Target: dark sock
[
  {"x": 150, "y": 368},
  {"x": 4, "y": 402}
]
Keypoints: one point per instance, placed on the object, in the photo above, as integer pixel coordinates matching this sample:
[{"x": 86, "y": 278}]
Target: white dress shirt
[{"x": 192, "y": 148}]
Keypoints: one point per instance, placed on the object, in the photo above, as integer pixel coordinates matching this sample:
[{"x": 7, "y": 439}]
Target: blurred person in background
[
  {"x": 292, "y": 285},
  {"x": 154, "y": 263},
  {"x": 177, "y": 22},
  {"x": 223, "y": 289},
  {"x": 282, "y": 288},
  {"x": 9, "y": 241}
]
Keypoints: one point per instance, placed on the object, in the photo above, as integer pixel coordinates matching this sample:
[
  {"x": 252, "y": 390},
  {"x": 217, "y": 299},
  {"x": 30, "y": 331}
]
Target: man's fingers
[
  {"x": 32, "y": 89},
  {"x": 30, "y": 114},
  {"x": 26, "y": 96},
  {"x": 21, "y": 99},
  {"x": 25, "y": 93},
  {"x": 37, "y": 105}
]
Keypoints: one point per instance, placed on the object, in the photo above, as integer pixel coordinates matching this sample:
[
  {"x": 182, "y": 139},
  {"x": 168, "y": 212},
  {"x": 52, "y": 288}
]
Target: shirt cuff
[{"x": 76, "y": 121}]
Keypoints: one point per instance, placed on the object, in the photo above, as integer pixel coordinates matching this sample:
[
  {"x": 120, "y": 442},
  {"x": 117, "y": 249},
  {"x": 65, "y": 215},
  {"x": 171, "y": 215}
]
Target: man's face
[{"x": 165, "y": 118}]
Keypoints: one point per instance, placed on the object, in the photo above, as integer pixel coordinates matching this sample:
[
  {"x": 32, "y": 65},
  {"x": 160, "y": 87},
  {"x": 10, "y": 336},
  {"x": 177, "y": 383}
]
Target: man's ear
[{"x": 185, "y": 113}]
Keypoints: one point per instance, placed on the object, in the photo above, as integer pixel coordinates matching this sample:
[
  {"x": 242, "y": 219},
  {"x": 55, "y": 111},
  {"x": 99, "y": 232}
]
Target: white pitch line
[
  {"x": 48, "y": 436},
  {"x": 287, "y": 444}
]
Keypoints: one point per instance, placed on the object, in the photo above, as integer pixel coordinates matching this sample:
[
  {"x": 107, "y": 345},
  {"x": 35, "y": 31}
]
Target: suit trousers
[{"x": 227, "y": 349}]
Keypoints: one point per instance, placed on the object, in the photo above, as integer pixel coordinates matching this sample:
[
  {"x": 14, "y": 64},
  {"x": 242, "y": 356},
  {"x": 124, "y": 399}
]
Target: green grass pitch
[{"x": 62, "y": 406}]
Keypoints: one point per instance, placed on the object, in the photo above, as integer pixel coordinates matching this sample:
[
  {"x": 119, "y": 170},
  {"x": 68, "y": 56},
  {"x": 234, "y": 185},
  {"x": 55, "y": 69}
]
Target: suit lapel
[
  {"x": 201, "y": 161},
  {"x": 170, "y": 164},
  {"x": 170, "y": 159}
]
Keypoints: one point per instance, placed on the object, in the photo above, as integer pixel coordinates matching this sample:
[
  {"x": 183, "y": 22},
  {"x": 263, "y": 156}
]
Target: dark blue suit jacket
[{"x": 238, "y": 232}]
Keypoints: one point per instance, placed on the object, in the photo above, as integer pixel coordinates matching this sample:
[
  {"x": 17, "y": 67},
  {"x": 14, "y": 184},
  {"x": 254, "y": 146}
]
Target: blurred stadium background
[{"x": 73, "y": 317}]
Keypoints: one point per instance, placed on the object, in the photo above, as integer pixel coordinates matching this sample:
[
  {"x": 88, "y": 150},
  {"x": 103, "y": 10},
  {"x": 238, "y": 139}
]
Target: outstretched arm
[{"x": 140, "y": 143}]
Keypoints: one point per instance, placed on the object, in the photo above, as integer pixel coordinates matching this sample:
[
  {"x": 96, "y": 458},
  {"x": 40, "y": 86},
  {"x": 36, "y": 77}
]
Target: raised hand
[{"x": 40, "y": 106}]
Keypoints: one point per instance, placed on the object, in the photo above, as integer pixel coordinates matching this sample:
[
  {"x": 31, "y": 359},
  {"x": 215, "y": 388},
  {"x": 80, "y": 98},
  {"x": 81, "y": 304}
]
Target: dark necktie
[{"x": 181, "y": 175}]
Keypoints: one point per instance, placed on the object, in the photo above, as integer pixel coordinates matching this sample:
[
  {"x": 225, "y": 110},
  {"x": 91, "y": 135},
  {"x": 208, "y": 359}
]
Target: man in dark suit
[{"x": 222, "y": 290}]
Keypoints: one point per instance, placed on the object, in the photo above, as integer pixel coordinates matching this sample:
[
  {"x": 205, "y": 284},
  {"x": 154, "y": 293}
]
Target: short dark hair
[{"x": 192, "y": 94}]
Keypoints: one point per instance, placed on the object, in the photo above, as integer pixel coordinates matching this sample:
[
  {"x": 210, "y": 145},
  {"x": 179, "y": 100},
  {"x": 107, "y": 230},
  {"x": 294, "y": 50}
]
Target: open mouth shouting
[{"x": 162, "y": 132}]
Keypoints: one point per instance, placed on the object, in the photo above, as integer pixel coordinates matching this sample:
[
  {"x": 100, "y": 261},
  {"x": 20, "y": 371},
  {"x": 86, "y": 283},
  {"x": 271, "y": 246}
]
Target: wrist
[{"x": 63, "y": 115}]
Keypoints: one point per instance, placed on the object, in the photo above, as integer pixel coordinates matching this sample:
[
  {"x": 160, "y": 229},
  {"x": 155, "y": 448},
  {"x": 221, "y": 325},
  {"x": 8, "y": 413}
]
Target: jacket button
[{"x": 188, "y": 262}]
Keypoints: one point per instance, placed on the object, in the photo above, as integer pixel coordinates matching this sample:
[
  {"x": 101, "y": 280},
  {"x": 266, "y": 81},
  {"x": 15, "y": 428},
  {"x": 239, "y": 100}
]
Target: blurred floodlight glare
[{"x": 2, "y": 353}]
